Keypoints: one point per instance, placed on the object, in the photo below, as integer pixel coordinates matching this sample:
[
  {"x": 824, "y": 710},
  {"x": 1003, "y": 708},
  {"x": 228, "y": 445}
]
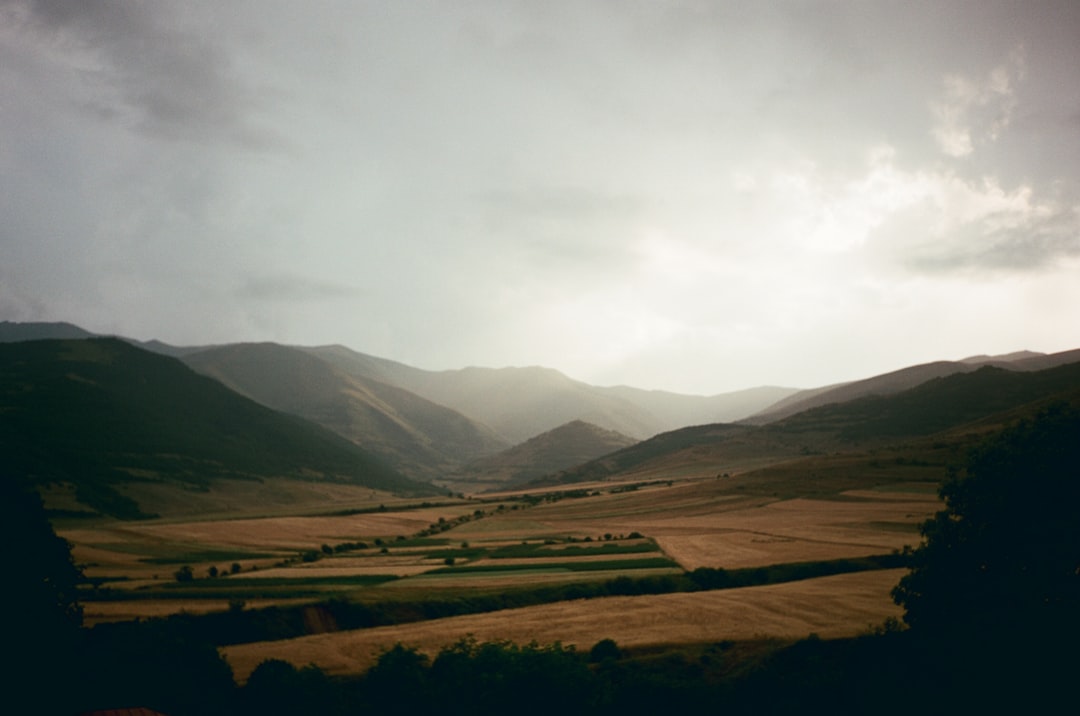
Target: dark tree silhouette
[
  {"x": 1003, "y": 557},
  {"x": 39, "y": 597}
]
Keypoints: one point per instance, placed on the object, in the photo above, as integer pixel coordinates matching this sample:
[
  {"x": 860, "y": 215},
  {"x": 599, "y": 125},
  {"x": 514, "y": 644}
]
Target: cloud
[
  {"x": 656, "y": 193},
  {"x": 975, "y": 111},
  {"x": 144, "y": 66}
]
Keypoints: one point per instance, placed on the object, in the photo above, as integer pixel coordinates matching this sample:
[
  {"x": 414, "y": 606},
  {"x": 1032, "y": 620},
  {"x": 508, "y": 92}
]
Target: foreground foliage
[{"x": 1003, "y": 558}]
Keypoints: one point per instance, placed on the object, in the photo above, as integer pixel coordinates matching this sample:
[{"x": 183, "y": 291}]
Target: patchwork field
[
  {"x": 836, "y": 606},
  {"x": 476, "y": 546},
  {"x": 372, "y": 555}
]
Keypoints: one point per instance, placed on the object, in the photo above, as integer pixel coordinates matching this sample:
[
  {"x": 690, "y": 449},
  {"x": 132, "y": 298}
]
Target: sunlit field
[
  {"x": 836, "y": 606},
  {"x": 501, "y": 543}
]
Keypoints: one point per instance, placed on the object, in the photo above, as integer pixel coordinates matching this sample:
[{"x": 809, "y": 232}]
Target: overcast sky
[{"x": 691, "y": 196}]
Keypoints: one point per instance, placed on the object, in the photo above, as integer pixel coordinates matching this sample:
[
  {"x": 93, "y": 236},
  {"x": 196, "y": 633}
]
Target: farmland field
[
  {"x": 489, "y": 545},
  {"x": 837, "y": 606}
]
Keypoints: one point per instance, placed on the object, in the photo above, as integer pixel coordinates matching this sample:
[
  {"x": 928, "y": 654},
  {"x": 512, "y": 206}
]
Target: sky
[{"x": 689, "y": 196}]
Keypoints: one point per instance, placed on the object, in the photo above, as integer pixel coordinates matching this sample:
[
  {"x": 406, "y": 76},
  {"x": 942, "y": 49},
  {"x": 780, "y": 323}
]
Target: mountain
[
  {"x": 568, "y": 445},
  {"x": 936, "y": 405},
  {"x": 675, "y": 410},
  {"x": 15, "y": 332},
  {"x": 516, "y": 403},
  {"x": 100, "y": 414},
  {"x": 983, "y": 399},
  {"x": 12, "y": 332},
  {"x": 393, "y": 409},
  {"x": 904, "y": 379},
  {"x": 520, "y": 403},
  {"x": 418, "y": 437}
]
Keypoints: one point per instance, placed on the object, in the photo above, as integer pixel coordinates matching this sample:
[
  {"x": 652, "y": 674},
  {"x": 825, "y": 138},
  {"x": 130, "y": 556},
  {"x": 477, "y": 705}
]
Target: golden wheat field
[
  {"x": 697, "y": 523},
  {"x": 835, "y": 606}
]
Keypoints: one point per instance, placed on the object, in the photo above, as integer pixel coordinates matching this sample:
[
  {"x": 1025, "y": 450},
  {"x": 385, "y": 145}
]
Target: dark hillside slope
[
  {"x": 12, "y": 332},
  {"x": 664, "y": 449},
  {"x": 904, "y": 379},
  {"x": 96, "y": 413},
  {"x": 937, "y": 405},
  {"x": 565, "y": 446},
  {"x": 979, "y": 400},
  {"x": 418, "y": 437}
]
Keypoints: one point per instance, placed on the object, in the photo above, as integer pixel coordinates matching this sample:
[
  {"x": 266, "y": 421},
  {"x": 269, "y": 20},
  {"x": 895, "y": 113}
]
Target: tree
[
  {"x": 278, "y": 687},
  {"x": 39, "y": 562},
  {"x": 43, "y": 631},
  {"x": 1003, "y": 558},
  {"x": 605, "y": 650},
  {"x": 184, "y": 574},
  {"x": 398, "y": 682}
]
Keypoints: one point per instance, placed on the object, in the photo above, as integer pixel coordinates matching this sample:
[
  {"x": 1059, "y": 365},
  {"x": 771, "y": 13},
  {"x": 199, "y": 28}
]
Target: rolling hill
[
  {"x": 507, "y": 405},
  {"x": 419, "y": 438},
  {"x": 520, "y": 403},
  {"x": 568, "y": 445},
  {"x": 904, "y": 379},
  {"x": 11, "y": 332},
  {"x": 978, "y": 401},
  {"x": 100, "y": 413}
]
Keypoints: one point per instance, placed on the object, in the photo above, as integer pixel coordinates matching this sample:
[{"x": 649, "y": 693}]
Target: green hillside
[
  {"x": 936, "y": 405},
  {"x": 984, "y": 399},
  {"x": 98, "y": 413}
]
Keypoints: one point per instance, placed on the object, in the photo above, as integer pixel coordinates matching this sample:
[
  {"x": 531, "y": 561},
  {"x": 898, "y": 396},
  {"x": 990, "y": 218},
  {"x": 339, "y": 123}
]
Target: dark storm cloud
[{"x": 150, "y": 68}]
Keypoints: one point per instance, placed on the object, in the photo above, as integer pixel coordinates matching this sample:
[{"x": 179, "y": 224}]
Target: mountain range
[
  {"x": 429, "y": 423},
  {"x": 947, "y": 410},
  {"x": 905, "y": 378},
  {"x": 101, "y": 415},
  {"x": 159, "y": 413}
]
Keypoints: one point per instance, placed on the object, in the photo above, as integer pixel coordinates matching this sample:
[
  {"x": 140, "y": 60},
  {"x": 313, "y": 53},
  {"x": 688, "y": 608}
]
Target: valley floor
[{"x": 836, "y": 606}]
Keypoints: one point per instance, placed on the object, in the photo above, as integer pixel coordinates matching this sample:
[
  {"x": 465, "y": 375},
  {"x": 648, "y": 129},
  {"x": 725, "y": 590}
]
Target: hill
[
  {"x": 904, "y": 379},
  {"x": 99, "y": 414},
  {"x": 950, "y": 406},
  {"x": 418, "y": 437},
  {"x": 12, "y": 332},
  {"x": 568, "y": 445},
  {"x": 520, "y": 403},
  {"x": 504, "y": 405},
  {"x": 937, "y": 405}
]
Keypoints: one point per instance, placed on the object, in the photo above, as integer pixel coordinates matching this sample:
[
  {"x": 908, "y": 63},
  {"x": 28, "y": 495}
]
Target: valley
[
  {"x": 285, "y": 506},
  {"x": 505, "y": 543}
]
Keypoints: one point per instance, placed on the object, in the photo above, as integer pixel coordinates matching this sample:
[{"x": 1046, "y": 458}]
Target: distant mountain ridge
[
  {"x": 985, "y": 398},
  {"x": 520, "y": 403},
  {"x": 513, "y": 404},
  {"x": 420, "y": 438},
  {"x": 11, "y": 332},
  {"x": 431, "y": 424},
  {"x": 904, "y": 379}
]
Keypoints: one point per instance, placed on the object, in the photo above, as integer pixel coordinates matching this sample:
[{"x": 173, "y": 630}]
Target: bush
[{"x": 1004, "y": 553}]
